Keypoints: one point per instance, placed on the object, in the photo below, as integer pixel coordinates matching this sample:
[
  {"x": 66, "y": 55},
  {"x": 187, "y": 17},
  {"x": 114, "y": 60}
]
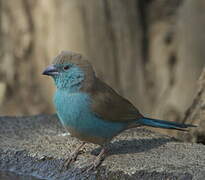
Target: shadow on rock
[{"x": 133, "y": 146}]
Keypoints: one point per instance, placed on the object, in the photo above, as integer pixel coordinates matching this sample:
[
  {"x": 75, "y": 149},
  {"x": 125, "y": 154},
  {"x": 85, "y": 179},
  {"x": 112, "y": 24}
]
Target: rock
[{"x": 37, "y": 146}]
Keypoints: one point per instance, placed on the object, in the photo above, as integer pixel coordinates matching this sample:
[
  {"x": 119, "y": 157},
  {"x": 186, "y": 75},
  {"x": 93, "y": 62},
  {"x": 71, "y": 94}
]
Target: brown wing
[{"x": 110, "y": 106}]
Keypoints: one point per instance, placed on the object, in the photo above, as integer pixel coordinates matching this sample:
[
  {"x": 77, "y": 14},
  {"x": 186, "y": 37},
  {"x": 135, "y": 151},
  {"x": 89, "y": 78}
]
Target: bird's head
[{"x": 71, "y": 72}]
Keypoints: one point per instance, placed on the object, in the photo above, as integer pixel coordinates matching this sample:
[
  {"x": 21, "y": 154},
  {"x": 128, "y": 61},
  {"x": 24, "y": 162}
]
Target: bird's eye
[{"x": 66, "y": 67}]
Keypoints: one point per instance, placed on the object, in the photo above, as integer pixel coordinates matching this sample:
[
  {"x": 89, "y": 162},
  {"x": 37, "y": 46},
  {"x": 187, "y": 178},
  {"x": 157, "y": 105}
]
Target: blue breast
[{"x": 74, "y": 111}]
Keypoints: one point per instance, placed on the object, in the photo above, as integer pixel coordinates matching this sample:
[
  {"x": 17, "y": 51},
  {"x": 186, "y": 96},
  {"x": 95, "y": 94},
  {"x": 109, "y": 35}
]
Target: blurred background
[{"x": 150, "y": 51}]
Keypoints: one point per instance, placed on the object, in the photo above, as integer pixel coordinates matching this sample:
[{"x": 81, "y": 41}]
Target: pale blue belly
[{"x": 74, "y": 112}]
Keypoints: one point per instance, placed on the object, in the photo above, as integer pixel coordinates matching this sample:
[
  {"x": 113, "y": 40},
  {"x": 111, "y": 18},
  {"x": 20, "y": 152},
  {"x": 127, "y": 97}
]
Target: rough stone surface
[{"x": 36, "y": 146}]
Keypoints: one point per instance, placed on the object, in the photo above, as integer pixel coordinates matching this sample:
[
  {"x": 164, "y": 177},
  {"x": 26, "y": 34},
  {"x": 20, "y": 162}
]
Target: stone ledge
[{"x": 36, "y": 146}]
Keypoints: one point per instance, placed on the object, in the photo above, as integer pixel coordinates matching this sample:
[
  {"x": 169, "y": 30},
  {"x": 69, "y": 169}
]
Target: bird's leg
[
  {"x": 97, "y": 161},
  {"x": 72, "y": 156}
]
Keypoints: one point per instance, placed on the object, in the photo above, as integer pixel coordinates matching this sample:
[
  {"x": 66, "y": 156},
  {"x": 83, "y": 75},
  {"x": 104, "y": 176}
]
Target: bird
[{"x": 90, "y": 109}]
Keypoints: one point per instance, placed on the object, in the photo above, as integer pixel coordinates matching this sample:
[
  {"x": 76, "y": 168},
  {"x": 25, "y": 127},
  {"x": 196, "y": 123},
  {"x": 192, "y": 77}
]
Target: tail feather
[{"x": 164, "y": 124}]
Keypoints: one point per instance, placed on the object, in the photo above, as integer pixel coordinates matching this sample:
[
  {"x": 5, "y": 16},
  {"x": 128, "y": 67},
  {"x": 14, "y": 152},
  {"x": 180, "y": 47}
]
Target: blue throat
[{"x": 69, "y": 81}]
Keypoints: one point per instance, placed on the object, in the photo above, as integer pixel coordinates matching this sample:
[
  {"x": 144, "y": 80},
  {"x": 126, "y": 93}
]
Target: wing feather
[{"x": 110, "y": 106}]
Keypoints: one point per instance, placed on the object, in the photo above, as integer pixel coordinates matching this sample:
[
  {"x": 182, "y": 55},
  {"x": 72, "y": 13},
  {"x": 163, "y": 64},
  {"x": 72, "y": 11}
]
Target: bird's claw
[
  {"x": 69, "y": 161},
  {"x": 94, "y": 165},
  {"x": 72, "y": 158}
]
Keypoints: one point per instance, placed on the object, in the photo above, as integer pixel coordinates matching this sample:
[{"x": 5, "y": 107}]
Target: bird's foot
[
  {"x": 72, "y": 158},
  {"x": 95, "y": 164},
  {"x": 97, "y": 161},
  {"x": 69, "y": 161}
]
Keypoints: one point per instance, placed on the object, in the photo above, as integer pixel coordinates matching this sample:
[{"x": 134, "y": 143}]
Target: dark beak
[{"x": 50, "y": 71}]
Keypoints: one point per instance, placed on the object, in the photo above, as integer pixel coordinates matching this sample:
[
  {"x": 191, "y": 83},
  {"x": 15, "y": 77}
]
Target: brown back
[{"x": 110, "y": 106}]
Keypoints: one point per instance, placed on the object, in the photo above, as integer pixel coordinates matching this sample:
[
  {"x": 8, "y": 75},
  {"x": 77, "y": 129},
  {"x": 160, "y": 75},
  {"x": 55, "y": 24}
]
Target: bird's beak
[{"x": 50, "y": 71}]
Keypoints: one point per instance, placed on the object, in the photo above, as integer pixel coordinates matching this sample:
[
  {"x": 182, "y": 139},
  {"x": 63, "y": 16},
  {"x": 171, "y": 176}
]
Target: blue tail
[{"x": 163, "y": 124}]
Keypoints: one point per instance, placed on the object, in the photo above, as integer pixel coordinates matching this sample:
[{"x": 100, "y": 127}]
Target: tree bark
[{"x": 196, "y": 115}]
